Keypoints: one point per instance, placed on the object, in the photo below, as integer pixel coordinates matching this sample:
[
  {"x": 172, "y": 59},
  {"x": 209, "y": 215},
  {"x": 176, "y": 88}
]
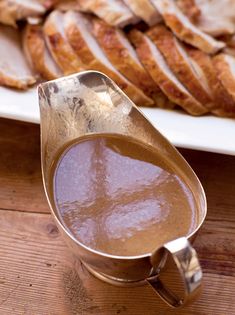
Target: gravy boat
[{"x": 89, "y": 103}]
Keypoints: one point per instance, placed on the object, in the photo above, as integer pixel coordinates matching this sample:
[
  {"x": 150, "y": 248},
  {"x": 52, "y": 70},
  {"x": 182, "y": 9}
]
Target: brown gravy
[{"x": 119, "y": 196}]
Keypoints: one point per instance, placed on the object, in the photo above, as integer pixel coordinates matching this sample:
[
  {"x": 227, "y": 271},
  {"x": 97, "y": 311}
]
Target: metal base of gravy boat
[
  {"x": 89, "y": 103},
  {"x": 114, "y": 281}
]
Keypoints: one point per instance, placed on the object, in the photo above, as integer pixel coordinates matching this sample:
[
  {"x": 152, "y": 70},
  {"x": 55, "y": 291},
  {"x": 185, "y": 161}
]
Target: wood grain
[
  {"x": 39, "y": 276},
  {"x": 20, "y": 172}
]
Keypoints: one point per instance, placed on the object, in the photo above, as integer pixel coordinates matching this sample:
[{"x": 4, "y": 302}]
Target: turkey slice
[
  {"x": 38, "y": 54},
  {"x": 114, "y": 12},
  {"x": 157, "y": 67},
  {"x": 14, "y": 69},
  {"x": 225, "y": 69}
]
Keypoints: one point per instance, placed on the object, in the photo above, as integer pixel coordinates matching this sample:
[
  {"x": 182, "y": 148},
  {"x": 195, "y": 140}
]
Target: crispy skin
[
  {"x": 155, "y": 64},
  {"x": 59, "y": 46},
  {"x": 11, "y": 81},
  {"x": 184, "y": 29},
  {"x": 190, "y": 9},
  {"x": 79, "y": 38},
  {"x": 36, "y": 50},
  {"x": 179, "y": 62},
  {"x": 224, "y": 65}
]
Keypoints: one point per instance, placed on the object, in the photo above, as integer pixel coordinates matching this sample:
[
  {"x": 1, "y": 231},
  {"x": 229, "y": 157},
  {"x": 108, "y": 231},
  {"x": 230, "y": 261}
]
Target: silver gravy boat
[{"x": 89, "y": 103}]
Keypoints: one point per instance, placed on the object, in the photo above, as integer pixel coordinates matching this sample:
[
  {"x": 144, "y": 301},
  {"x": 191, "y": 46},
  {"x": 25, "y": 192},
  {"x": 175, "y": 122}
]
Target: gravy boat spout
[{"x": 89, "y": 103}]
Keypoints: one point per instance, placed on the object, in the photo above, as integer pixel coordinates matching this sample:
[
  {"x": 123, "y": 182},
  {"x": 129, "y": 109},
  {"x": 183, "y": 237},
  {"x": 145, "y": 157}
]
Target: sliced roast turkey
[
  {"x": 180, "y": 64},
  {"x": 183, "y": 28},
  {"x": 78, "y": 31},
  {"x": 122, "y": 55},
  {"x": 156, "y": 65},
  {"x": 57, "y": 42},
  {"x": 223, "y": 104}
]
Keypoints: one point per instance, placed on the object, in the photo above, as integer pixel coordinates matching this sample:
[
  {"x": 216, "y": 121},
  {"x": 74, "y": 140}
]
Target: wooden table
[{"x": 37, "y": 271}]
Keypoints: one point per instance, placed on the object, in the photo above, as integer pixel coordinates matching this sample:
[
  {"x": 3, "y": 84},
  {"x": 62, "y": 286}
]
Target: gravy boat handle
[{"x": 186, "y": 260}]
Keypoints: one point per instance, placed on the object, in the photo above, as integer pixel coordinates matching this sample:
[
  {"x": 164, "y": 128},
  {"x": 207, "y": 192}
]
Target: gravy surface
[{"x": 119, "y": 196}]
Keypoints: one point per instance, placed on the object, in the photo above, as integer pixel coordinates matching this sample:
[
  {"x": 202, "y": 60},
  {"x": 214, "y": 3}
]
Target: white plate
[{"x": 202, "y": 133}]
